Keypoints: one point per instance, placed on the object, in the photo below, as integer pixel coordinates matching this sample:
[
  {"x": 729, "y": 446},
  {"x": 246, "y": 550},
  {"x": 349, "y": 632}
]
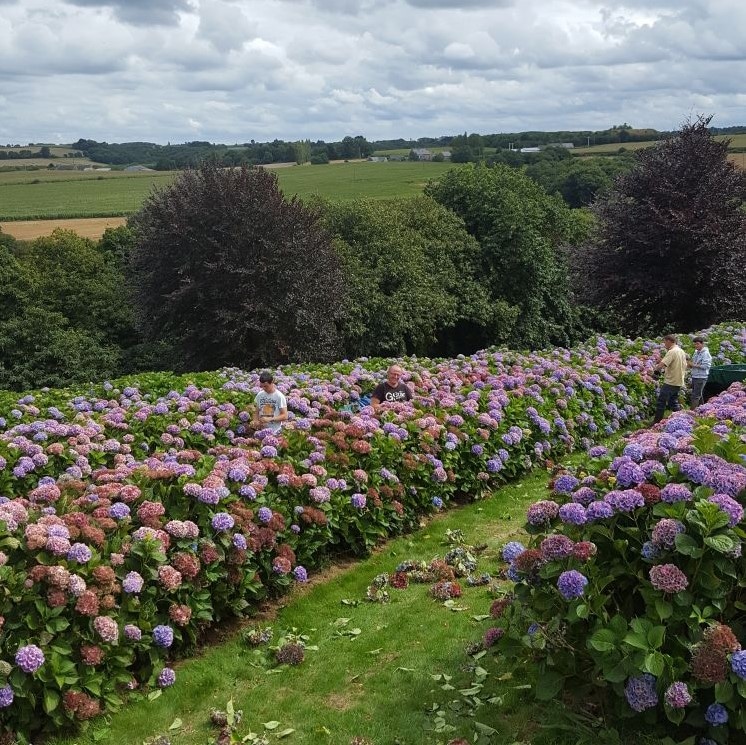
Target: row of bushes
[
  {"x": 134, "y": 516},
  {"x": 630, "y": 592}
]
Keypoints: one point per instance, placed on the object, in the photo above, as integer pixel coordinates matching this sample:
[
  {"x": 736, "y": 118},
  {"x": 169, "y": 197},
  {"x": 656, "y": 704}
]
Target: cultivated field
[
  {"x": 86, "y": 227},
  {"x": 40, "y": 195},
  {"x": 736, "y": 141}
]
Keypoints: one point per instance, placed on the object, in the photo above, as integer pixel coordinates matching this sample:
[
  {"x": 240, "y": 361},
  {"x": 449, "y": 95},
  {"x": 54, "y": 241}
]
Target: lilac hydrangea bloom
[
  {"x": 29, "y": 658},
  {"x": 571, "y": 584},
  {"x": 166, "y": 677},
  {"x": 512, "y": 550},
  {"x": 677, "y": 695},
  {"x": 163, "y": 636},
  {"x": 573, "y": 513},
  {"x": 640, "y": 692},
  {"x": 673, "y": 493}
]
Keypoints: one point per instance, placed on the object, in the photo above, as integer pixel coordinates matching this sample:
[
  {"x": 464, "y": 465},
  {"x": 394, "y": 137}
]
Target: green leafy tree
[
  {"x": 74, "y": 278},
  {"x": 670, "y": 248},
  {"x": 520, "y": 230},
  {"x": 233, "y": 273},
  {"x": 39, "y": 347},
  {"x": 410, "y": 271}
]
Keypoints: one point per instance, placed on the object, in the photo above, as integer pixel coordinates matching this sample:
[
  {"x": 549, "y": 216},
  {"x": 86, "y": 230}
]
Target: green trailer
[{"x": 721, "y": 377}]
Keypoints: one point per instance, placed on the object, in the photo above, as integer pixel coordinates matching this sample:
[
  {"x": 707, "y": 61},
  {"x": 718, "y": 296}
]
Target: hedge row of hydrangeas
[
  {"x": 135, "y": 514},
  {"x": 632, "y": 588}
]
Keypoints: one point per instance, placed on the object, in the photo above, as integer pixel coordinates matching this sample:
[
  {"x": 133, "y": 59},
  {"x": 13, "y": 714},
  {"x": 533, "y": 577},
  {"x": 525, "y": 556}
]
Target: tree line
[{"x": 221, "y": 269}]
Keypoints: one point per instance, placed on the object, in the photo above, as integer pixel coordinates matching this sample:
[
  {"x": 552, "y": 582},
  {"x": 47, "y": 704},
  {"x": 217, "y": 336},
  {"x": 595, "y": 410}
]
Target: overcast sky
[{"x": 235, "y": 70}]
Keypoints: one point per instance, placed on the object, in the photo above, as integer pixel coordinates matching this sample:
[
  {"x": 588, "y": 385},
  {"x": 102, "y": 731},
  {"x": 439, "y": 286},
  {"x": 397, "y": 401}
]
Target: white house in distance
[{"x": 422, "y": 153}]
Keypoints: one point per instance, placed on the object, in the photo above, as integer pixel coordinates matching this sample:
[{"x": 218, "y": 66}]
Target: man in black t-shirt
[{"x": 392, "y": 390}]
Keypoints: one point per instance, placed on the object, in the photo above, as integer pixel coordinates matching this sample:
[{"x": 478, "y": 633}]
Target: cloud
[
  {"x": 233, "y": 70},
  {"x": 141, "y": 12}
]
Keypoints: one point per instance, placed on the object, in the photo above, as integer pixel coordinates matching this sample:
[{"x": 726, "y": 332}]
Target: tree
[
  {"x": 670, "y": 248},
  {"x": 79, "y": 281},
  {"x": 233, "y": 273},
  {"x": 520, "y": 229},
  {"x": 410, "y": 278}
]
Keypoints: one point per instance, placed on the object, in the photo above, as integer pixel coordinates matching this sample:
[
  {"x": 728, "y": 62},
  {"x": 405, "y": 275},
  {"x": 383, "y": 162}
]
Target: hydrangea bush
[
  {"x": 632, "y": 587},
  {"x": 136, "y": 513}
]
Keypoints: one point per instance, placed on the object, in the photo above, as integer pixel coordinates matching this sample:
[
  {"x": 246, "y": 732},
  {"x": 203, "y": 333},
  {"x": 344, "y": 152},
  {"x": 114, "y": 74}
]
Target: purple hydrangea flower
[
  {"x": 163, "y": 636},
  {"x": 649, "y": 550},
  {"x": 300, "y": 574},
  {"x": 222, "y": 521},
  {"x": 668, "y": 578},
  {"x": 132, "y": 583},
  {"x": 29, "y": 658},
  {"x": 738, "y": 663},
  {"x": 730, "y": 507},
  {"x": 599, "y": 511},
  {"x": 641, "y": 693},
  {"x": 571, "y": 584},
  {"x": 79, "y": 553},
  {"x": 166, "y": 677},
  {"x": 6, "y": 697},
  {"x": 437, "y": 502},
  {"x": 119, "y": 511},
  {"x": 239, "y": 542},
  {"x": 629, "y": 474},
  {"x": 512, "y": 550},
  {"x": 556, "y": 546},
  {"x": 627, "y": 500},
  {"x": 264, "y": 514},
  {"x": 573, "y": 513},
  {"x": 565, "y": 483},
  {"x": 542, "y": 512},
  {"x": 677, "y": 695},
  {"x": 598, "y": 451},
  {"x": 585, "y": 495},
  {"x": 358, "y": 501},
  {"x": 665, "y": 532},
  {"x": 132, "y": 632},
  {"x": 673, "y": 493}
]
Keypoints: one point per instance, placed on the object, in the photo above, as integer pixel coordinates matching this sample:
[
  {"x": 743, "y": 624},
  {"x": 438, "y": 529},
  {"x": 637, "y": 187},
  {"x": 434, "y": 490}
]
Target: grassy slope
[
  {"x": 359, "y": 687},
  {"x": 68, "y": 195}
]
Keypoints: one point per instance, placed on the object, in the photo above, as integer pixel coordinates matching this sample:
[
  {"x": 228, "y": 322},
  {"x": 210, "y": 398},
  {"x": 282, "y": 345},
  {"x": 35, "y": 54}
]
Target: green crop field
[
  {"x": 736, "y": 141},
  {"x": 40, "y": 195}
]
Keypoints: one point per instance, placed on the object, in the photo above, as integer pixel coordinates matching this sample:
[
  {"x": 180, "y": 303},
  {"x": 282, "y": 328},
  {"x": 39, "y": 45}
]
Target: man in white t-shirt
[{"x": 271, "y": 405}]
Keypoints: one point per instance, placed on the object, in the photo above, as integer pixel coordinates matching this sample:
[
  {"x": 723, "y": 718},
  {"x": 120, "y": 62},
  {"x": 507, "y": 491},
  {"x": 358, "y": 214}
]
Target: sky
[{"x": 231, "y": 71}]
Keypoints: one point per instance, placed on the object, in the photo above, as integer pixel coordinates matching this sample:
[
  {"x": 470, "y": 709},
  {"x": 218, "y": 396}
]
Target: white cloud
[{"x": 234, "y": 70}]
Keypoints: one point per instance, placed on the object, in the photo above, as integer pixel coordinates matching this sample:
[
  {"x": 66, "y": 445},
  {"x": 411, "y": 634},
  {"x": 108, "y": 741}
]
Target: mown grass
[
  {"x": 38, "y": 196},
  {"x": 377, "y": 684}
]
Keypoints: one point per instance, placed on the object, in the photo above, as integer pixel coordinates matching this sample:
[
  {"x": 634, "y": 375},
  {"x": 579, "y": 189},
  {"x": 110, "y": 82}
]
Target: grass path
[{"x": 377, "y": 683}]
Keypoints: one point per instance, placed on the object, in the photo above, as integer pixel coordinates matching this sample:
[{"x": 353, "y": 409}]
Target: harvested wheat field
[{"x": 90, "y": 227}]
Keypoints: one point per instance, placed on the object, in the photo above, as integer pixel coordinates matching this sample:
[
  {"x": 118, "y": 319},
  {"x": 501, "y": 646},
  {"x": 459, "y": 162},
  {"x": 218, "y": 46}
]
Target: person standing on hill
[
  {"x": 271, "y": 405},
  {"x": 700, "y": 363},
  {"x": 674, "y": 366},
  {"x": 392, "y": 390}
]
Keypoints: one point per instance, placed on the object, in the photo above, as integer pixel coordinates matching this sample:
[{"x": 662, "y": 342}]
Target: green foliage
[
  {"x": 231, "y": 272},
  {"x": 578, "y": 180},
  {"x": 671, "y": 241},
  {"x": 520, "y": 230},
  {"x": 39, "y": 347},
  {"x": 74, "y": 278},
  {"x": 410, "y": 277},
  {"x": 64, "y": 315}
]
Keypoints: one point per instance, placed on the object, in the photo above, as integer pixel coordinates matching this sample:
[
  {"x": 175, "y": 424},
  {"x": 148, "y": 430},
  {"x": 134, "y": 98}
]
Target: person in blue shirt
[{"x": 700, "y": 364}]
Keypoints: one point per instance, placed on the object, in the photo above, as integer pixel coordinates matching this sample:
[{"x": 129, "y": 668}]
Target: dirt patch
[
  {"x": 89, "y": 227},
  {"x": 342, "y": 701}
]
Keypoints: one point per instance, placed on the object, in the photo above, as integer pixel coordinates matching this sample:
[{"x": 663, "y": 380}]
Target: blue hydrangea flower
[{"x": 716, "y": 715}]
